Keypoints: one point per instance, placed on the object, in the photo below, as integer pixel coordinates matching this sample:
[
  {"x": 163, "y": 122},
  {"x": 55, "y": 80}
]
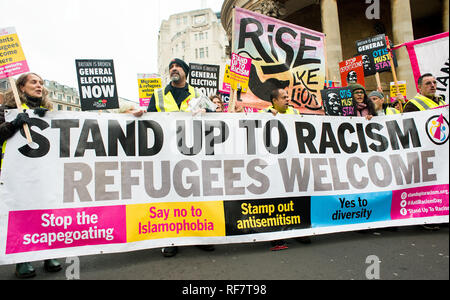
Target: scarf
[
  {"x": 33, "y": 102},
  {"x": 362, "y": 110}
]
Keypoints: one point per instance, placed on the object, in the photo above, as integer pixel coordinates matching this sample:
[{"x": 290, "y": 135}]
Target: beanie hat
[
  {"x": 182, "y": 64},
  {"x": 377, "y": 94},
  {"x": 357, "y": 86}
]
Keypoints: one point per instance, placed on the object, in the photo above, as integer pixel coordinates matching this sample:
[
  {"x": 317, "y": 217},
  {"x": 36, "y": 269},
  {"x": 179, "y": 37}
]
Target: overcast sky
[{"x": 54, "y": 33}]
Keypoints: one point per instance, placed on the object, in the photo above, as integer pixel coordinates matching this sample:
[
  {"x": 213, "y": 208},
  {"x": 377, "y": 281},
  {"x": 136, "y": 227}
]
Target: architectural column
[
  {"x": 330, "y": 26},
  {"x": 445, "y": 15},
  {"x": 402, "y": 30}
]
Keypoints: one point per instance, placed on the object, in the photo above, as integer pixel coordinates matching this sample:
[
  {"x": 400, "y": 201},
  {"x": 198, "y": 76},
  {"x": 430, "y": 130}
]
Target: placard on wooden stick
[{"x": 12, "y": 63}]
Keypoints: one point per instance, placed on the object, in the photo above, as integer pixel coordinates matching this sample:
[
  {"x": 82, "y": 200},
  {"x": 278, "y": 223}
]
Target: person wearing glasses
[{"x": 361, "y": 102}]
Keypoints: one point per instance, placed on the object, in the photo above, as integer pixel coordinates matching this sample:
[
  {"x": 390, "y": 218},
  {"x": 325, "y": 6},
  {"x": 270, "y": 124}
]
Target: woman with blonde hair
[{"x": 33, "y": 96}]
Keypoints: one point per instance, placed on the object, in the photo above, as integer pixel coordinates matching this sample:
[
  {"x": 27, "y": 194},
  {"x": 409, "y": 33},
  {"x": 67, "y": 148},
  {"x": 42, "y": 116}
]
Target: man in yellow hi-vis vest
[
  {"x": 176, "y": 95},
  {"x": 426, "y": 98},
  {"x": 280, "y": 104}
]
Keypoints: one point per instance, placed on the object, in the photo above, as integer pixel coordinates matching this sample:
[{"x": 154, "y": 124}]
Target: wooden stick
[
  {"x": 19, "y": 106},
  {"x": 232, "y": 103},
  {"x": 394, "y": 73},
  {"x": 377, "y": 77},
  {"x": 327, "y": 71},
  {"x": 379, "y": 87}
]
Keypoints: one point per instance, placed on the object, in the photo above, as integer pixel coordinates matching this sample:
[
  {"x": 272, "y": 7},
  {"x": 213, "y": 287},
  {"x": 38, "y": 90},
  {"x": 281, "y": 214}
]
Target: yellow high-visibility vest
[
  {"x": 391, "y": 111},
  {"x": 166, "y": 103},
  {"x": 289, "y": 111},
  {"x": 424, "y": 103}
]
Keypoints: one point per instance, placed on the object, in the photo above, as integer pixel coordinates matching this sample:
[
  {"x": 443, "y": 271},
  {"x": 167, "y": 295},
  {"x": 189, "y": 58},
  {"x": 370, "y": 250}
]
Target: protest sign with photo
[
  {"x": 147, "y": 84},
  {"x": 375, "y": 54},
  {"x": 97, "y": 84},
  {"x": 338, "y": 102},
  {"x": 119, "y": 184},
  {"x": 352, "y": 71},
  {"x": 12, "y": 58},
  {"x": 285, "y": 56},
  {"x": 205, "y": 78}
]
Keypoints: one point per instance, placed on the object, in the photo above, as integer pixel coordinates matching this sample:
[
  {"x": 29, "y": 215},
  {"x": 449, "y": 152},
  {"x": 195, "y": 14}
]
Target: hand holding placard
[{"x": 13, "y": 63}]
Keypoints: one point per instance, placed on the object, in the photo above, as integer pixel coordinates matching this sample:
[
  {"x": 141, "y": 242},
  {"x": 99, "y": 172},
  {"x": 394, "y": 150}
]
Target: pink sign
[
  {"x": 240, "y": 72},
  {"x": 420, "y": 202},
  {"x": 240, "y": 65},
  {"x": 65, "y": 228},
  {"x": 144, "y": 102},
  {"x": 12, "y": 58}
]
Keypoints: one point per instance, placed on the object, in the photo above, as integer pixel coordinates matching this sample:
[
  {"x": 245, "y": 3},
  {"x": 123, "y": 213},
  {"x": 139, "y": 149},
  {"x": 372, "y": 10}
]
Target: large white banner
[
  {"x": 430, "y": 55},
  {"x": 103, "y": 183}
]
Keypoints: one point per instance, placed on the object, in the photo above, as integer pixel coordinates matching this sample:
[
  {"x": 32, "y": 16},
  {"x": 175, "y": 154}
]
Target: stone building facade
[
  {"x": 195, "y": 37},
  {"x": 346, "y": 21},
  {"x": 64, "y": 98}
]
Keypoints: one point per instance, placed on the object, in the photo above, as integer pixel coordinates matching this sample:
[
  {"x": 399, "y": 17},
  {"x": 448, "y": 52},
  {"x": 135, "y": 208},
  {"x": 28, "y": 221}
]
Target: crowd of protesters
[{"x": 175, "y": 97}]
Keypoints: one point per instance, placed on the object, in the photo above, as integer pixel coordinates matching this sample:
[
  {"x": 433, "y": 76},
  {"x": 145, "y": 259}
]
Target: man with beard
[
  {"x": 175, "y": 98},
  {"x": 177, "y": 94}
]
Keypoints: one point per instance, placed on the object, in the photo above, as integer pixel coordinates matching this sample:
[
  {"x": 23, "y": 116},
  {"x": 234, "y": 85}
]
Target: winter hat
[
  {"x": 377, "y": 94},
  {"x": 182, "y": 64},
  {"x": 357, "y": 86}
]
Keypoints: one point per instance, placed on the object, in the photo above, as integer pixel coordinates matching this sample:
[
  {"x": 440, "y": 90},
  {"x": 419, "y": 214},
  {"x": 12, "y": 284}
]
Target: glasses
[{"x": 359, "y": 93}]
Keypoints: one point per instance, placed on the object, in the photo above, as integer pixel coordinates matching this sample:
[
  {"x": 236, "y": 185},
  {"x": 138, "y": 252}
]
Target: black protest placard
[
  {"x": 205, "y": 78},
  {"x": 268, "y": 215},
  {"x": 97, "y": 84},
  {"x": 375, "y": 54},
  {"x": 338, "y": 102}
]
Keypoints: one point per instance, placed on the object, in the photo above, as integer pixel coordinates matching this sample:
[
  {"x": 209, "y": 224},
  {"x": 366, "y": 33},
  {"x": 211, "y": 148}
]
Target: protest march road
[{"x": 410, "y": 253}]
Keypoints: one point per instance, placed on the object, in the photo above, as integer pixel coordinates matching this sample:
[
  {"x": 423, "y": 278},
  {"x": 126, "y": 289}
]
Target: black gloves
[
  {"x": 21, "y": 119},
  {"x": 40, "y": 112}
]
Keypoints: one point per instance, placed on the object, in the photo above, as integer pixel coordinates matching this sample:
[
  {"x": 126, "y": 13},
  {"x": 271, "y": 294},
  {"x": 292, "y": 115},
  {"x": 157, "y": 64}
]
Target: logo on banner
[{"x": 437, "y": 130}]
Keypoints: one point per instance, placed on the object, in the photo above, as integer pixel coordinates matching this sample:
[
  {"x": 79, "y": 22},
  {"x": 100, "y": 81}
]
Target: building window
[
  {"x": 196, "y": 53},
  {"x": 60, "y": 107},
  {"x": 202, "y": 53},
  {"x": 185, "y": 20}
]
